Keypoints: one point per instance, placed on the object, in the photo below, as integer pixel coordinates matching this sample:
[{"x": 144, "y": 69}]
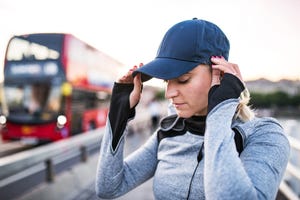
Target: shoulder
[
  {"x": 262, "y": 130},
  {"x": 258, "y": 124}
]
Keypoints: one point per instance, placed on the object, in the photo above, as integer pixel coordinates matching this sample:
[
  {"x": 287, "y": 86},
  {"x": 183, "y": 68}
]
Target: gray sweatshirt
[{"x": 221, "y": 174}]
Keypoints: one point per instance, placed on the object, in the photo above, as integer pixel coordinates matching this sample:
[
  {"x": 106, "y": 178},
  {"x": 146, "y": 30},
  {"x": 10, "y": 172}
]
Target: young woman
[{"x": 212, "y": 147}]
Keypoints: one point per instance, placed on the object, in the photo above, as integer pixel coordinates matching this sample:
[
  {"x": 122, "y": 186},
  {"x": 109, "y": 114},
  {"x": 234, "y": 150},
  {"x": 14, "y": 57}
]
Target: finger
[
  {"x": 226, "y": 67},
  {"x": 219, "y": 60},
  {"x": 137, "y": 83},
  {"x": 222, "y": 61},
  {"x": 237, "y": 69},
  {"x": 215, "y": 78},
  {"x": 127, "y": 78},
  {"x": 223, "y": 65}
]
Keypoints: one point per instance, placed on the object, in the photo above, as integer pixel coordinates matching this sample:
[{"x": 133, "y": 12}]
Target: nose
[{"x": 171, "y": 90}]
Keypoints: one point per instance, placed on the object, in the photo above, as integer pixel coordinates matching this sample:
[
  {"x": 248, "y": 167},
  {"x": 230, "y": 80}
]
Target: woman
[{"x": 213, "y": 147}]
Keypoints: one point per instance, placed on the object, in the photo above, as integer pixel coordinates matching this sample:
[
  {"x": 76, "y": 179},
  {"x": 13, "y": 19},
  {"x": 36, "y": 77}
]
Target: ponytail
[{"x": 244, "y": 111}]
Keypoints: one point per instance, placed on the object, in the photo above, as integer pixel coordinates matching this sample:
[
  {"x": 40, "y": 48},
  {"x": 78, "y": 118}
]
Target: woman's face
[{"x": 189, "y": 92}]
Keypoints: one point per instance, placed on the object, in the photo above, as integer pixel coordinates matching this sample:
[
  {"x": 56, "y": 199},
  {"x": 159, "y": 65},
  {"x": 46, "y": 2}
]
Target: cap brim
[{"x": 164, "y": 68}]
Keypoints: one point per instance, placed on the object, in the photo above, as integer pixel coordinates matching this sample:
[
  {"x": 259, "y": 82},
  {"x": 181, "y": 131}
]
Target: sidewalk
[{"x": 143, "y": 192}]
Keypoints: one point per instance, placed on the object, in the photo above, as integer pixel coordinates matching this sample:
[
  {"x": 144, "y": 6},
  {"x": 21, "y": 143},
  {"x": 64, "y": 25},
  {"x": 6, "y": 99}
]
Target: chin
[{"x": 184, "y": 114}]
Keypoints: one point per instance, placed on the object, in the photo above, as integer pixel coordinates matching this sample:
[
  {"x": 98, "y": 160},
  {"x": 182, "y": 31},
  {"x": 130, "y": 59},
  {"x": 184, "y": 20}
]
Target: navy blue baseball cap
[{"x": 184, "y": 46}]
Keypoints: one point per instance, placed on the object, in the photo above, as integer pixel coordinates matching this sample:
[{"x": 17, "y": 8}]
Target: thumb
[
  {"x": 215, "y": 77},
  {"x": 135, "y": 95}
]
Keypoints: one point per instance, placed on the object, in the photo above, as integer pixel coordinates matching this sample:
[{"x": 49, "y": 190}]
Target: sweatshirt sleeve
[
  {"x": 115, "y": 175},
  {"x": 119, "y": 111},
  {"x": 230, "y": 87},
  {"x": 257, "y": 173}
]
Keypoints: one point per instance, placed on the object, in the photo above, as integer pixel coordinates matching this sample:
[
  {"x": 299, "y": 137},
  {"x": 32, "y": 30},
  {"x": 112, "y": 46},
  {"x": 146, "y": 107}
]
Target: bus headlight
[
  {"x": 61, "y": 121},
  {"x": 2, "y": 120}
]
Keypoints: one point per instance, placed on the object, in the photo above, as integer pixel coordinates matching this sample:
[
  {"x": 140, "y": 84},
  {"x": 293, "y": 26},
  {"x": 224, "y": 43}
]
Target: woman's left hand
[
  {"x": 226, "y": 82},
  {"x": 222, "y": 66}
]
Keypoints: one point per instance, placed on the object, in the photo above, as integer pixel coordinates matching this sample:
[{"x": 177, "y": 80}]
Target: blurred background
[{"x": 264, "y": 35}]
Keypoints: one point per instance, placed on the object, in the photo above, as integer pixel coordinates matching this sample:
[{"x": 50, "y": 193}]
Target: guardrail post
[
  {"x": 49, "y": 170},
  {"x": 83, "y": 153}
]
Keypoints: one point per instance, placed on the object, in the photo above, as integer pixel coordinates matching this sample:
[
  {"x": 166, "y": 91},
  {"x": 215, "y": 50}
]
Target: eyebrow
[{"x": 188, "y": 73}]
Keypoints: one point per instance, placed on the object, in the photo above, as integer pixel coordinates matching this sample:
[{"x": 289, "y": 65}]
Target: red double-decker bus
[{"x": 55, "y": 86}]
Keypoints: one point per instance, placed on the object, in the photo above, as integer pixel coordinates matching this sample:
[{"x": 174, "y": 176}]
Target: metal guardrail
[
  {"x": 27, "y": 169},
  {"x": 294, "y": 171},
  {"x": 24, "y": 170},
  {"x": 11, "y": 164}
]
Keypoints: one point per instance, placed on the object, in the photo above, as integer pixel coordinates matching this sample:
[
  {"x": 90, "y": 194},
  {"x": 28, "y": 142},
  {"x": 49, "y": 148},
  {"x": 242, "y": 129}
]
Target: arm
[
  {"x": 257, "y": 173},
  {"x": 125, "y": 96},
  {"x": 116, "y": 176}
]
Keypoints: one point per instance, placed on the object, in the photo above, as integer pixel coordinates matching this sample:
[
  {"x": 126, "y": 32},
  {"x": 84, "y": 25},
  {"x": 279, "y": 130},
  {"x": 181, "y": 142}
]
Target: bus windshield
[
  {"x": 34, "y": 47},
  {"x": 37, "y": 102}
]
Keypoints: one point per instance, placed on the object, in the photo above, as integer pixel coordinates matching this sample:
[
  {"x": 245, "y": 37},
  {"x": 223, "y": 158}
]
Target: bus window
[
  {"x": 103, "y": 99},
  {"x": 14, "y": 98},
  {"x": 54, "y": 100}
]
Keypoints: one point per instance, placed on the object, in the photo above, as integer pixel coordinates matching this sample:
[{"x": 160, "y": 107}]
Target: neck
[{"x": 196, "y": 124}]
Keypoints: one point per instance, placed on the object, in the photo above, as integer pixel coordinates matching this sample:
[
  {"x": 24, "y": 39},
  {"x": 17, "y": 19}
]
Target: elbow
[
  {"x": 101, "y": 192},
  {"x": 105, "y": 191},
  {"x": 102, "y": 195}
]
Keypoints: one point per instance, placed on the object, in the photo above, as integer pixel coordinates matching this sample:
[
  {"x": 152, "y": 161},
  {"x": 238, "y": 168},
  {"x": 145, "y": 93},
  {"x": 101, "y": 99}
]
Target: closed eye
[{"x": 183, "y": 80}]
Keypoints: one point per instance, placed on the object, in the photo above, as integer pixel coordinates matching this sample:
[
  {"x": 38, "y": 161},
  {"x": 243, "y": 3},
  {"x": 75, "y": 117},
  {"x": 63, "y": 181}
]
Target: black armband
[
  {"x": 119, "y": 111},
  {"x": 230, "y": 87}
]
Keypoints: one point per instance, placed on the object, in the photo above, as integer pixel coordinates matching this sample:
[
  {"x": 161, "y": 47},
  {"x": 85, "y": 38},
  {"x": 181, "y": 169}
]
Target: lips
[{"x": 178, "y": 105}]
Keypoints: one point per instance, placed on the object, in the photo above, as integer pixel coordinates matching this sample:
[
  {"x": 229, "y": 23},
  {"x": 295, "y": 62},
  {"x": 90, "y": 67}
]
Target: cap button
[{"x": 195, "y": 18}]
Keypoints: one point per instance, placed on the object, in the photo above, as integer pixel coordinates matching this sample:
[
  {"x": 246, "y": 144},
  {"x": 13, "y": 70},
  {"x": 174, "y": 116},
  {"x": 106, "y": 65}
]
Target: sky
[{"x": 264, "y": 35}]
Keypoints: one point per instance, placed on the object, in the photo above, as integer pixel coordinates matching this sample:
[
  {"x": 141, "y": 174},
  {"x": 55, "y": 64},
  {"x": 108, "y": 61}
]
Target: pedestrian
[
  {"x": 213, "y": 146},
  {"x": 154, "y": 109}
]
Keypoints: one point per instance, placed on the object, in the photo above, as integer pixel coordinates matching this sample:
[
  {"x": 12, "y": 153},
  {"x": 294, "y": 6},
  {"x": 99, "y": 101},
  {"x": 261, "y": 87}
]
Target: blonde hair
[{"x": 244, "y": 111}]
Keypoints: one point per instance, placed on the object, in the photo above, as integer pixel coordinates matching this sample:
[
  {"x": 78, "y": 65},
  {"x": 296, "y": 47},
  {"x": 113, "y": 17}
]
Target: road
[{"x": 78, "y": 182}]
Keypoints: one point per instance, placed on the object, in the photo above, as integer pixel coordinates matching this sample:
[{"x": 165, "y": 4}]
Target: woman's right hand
[{"x": 135, "y": 95}]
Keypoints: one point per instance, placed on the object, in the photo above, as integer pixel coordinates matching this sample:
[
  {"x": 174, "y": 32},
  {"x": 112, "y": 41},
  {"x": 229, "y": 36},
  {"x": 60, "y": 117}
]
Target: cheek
[
  {"x": 199, "y": 97},
  {"x": 200, "y": 90}
]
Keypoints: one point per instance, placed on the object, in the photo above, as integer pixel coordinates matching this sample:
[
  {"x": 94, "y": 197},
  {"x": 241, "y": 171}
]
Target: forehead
[{"x": 198, "y": 70}]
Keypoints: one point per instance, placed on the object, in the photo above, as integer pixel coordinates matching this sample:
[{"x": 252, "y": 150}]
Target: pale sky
[{"x": 264, "y": 34}]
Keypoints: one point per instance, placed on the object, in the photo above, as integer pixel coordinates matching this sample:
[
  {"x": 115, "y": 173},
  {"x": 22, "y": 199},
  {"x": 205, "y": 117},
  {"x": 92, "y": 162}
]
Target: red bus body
[{"x": 51, "y": 76}]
